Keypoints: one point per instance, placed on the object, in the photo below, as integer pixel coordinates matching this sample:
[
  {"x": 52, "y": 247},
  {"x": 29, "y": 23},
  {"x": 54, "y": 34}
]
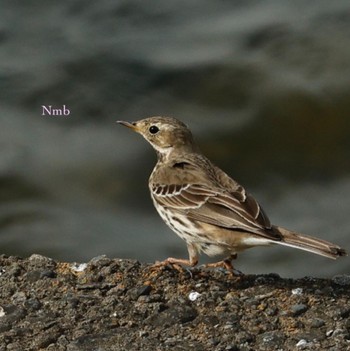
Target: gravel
[{"x": 113, "y": 304}]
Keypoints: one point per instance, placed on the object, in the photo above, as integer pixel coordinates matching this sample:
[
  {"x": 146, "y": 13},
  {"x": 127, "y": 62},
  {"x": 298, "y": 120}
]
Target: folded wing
[{"x": 234, "y": 210}]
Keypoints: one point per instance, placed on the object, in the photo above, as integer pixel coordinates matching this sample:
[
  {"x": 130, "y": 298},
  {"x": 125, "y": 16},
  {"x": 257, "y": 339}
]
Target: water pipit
[{"x": 204, "y": 206}]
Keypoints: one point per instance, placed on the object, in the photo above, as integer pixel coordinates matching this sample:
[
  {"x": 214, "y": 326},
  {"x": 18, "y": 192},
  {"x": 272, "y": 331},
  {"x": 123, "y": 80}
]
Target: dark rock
[
  {"x": 32, "y": 304},
  {"x": 99, "y": 261},
  {"x": 344, "y": 312},
  {"x": 33, "y": 276},
  {"x": 140, "y": 291},
  {"x": 317, "y": 323},
  {"x": 298, "y": 309},
  {"x": 47, "y": 273}
]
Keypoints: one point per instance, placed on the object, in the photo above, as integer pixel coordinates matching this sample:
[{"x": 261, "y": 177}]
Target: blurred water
[{"x": 263, "y": 85}]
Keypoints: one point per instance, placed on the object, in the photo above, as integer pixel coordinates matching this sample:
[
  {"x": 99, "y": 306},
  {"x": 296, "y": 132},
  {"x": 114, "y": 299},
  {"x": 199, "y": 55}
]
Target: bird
[{"x": 204, "y": 206}]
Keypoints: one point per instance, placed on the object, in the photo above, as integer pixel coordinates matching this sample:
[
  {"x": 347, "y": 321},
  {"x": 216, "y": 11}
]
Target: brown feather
[{"x": 309, "y": 243}]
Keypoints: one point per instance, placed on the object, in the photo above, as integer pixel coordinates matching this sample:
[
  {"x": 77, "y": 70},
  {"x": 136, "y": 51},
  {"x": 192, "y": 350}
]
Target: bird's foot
[
  {"x": 175, "y": 263},
  {"x": 225, "y": 264}
]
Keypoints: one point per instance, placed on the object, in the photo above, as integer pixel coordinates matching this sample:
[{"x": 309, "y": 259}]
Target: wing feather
[
  {"x": 213, "y": 206},
  {"x": 216, "y": 199}
]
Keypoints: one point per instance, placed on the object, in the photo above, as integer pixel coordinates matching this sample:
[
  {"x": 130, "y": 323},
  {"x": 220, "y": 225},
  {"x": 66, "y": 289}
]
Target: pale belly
[{"x": 192, "y": 233}]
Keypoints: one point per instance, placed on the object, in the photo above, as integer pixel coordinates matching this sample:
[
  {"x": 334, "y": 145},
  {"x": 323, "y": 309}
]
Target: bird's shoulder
[
  {"x": 183, "y": 169},
  {"x": 195, "y": 168}
]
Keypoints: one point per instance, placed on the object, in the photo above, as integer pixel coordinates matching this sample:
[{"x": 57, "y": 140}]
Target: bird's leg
[
  {"x": 226, "y": 264},
  {"x": 175, "y": 262}
]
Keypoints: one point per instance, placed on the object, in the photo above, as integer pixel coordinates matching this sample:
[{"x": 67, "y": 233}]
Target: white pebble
[
  {"x": 302, "y": 344},
  {"x": 297, "y": 291},
  {"x": 193, "y": 296},
  {"x": 329, "y": 332},
  {"x": 2, "y": 312},
  {"x": 76, "y": 267}
]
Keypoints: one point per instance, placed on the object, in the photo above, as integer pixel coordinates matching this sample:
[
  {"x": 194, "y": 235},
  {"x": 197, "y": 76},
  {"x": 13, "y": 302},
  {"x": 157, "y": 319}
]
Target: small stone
[
  {"x": 228, "y": 326},
  {"x": 317, "y": 323},
  {"x": 19, "y": 297},
  {"x": 39, "y": 260},
  {"x": 193, "y": 296},
  {"x": 271, "y": 339},
  {"x": 32, "y": 304},
  {"x": 78, "y": 267},
  {"x": 338, "y": 332},
  {"x": 214, "y": 342},
  {"x": 267, "y": 338},
  {"x": 48, "y": 273},
  {"x": 100, "y": 261},
  {"x": 2, "y": 312},
  {"x": 344, "y": 312},
  {"x": 298, "y": 309},
  {"x": 329, "y": 333},
  {"x": 271, "y": 311},
  {"x": 303, "y": 344},
  {"x": 143, "y": 334},
  {"x": 144, "y": 290},
  {"x": 297, "y": 291},
  {"x": 135, "y": 293},
  {"x": 33, "y": 276}
]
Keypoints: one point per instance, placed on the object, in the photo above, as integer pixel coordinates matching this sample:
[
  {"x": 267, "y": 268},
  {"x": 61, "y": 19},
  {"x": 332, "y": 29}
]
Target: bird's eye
[{"x": 153, "y": 129}]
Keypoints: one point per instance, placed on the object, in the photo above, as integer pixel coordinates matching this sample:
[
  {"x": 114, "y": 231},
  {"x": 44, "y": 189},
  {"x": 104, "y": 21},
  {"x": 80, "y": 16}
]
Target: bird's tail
[{"x": 309, "y": 243}]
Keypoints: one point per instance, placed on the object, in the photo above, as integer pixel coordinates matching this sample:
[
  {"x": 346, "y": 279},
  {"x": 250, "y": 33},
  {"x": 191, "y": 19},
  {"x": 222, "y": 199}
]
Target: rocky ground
[{"x": 112, "y": 304}]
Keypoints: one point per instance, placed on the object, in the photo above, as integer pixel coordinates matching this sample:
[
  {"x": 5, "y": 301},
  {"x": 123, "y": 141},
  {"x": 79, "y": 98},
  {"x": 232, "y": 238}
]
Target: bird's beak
[{"x": 129, "y": 125}]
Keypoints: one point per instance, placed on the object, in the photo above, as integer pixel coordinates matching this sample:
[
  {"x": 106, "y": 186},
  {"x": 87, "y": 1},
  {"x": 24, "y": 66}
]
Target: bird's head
[{"x": 165, "y": 134}]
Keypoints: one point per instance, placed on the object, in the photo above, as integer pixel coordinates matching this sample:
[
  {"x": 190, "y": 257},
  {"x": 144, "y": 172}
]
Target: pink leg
[
  {"x": 192, "y": 261},
  {"x": 226, "y": 263}
]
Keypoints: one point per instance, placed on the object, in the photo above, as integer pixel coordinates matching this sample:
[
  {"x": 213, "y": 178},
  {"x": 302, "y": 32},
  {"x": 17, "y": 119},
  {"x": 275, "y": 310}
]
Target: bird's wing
[
  {"x": 203, "y": 192},
  {"x": 229, "y": 208}
]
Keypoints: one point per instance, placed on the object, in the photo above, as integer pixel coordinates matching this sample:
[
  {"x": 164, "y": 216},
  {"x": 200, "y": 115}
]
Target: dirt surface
[{"x": 112, "y": 304}]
